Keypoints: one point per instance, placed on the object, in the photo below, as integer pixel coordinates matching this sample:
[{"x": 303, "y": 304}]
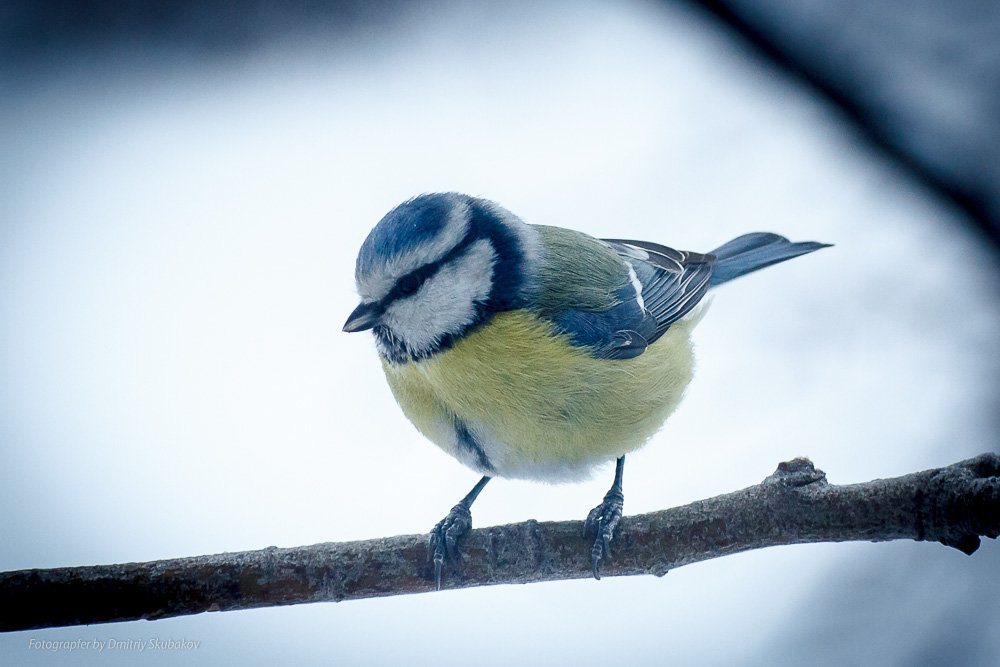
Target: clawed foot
[
  {"x": 601, "y": 524},
  {"x": 444, "y": 538}
]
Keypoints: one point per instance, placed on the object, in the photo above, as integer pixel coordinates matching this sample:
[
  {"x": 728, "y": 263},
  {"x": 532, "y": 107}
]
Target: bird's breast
[{"x": 537, "y": 406}]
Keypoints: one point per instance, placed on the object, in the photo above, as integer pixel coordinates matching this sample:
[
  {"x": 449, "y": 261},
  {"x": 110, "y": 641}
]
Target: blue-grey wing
[
  {"x": 620, "y": 332},
  {"x": 615, "y": 297},
  {"x": 672, "y": 281}
]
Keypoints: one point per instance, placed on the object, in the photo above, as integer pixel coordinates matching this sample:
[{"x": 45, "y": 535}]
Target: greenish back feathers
[{"x": 578, "y": 273}]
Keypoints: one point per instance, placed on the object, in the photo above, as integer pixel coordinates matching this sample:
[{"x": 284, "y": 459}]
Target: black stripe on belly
[{"x": 467, "y": 441}]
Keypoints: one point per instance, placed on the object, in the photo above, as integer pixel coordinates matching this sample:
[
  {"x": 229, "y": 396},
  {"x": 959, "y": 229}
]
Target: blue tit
[{"x": 535, "y": 352}]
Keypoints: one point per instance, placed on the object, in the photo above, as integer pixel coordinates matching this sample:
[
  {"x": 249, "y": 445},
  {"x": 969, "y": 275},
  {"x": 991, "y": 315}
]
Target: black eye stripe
[
  {"x": 413, "y": 280},
  {"x": 408, "y": 284}
]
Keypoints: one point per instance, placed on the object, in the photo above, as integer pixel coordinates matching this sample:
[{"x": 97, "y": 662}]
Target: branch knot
[{"x": 797, "y": 472}]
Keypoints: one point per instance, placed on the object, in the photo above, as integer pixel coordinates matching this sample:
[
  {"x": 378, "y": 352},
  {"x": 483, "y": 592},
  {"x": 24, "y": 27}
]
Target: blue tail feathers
[{"x": 747, "y": 253}]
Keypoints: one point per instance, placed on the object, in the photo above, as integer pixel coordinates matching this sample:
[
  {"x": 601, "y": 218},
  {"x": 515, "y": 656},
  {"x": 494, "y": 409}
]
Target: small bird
[{"x": 535, "y": 352}]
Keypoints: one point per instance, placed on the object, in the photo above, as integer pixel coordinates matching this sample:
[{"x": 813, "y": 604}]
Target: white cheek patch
[
  {"x": 446, "y": 303},
  {"x": 375, "y": 285}
]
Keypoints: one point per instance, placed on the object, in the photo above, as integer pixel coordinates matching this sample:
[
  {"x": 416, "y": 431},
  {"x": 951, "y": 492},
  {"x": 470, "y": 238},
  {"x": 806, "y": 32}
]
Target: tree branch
[{"x": 952, "y": 505}]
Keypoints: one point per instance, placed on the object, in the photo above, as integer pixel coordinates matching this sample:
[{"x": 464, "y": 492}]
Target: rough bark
[{"x": 954, "y": 505}]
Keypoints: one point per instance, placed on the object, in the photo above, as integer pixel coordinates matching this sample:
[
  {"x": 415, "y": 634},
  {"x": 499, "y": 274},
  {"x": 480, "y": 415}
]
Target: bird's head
[{"x": 437, "y": 266}]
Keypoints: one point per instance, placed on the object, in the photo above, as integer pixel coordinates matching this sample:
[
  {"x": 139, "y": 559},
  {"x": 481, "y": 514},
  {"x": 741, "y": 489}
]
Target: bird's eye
[{"x": 409, "y": 284}]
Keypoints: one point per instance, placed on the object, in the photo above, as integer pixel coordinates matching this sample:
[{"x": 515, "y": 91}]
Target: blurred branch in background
[
  {"x": 954, "y": 505},
  {"x": 921, "y": 80}
]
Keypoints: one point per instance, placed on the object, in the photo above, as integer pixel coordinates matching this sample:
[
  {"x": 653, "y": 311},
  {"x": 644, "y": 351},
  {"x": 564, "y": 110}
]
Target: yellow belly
[{"x": 544, "y": 408}]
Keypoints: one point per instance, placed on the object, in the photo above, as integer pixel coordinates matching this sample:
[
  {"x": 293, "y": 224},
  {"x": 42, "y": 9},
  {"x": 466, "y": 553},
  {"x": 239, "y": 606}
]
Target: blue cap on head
[{"x": 414, "y": 222}]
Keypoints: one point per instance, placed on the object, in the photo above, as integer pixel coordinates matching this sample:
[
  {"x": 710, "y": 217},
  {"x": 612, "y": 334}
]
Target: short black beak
[{"x": 363, "y": 318}]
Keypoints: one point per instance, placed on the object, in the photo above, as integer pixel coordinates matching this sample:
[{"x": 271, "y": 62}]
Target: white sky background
[{"x": 176, "y": 261}]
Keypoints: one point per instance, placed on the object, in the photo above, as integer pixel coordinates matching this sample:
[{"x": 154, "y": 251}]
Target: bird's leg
[
  {"x": 445, "y": 535},
  {"x": 603, "y": 519}
]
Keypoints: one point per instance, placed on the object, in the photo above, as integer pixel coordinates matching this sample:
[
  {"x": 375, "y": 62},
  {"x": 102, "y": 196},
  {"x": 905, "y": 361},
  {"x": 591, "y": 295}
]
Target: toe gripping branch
[
  {"x": 601, "y": 524},
  {"x": 603, "y": 519},
  {"x": 444, "y": 538}
]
